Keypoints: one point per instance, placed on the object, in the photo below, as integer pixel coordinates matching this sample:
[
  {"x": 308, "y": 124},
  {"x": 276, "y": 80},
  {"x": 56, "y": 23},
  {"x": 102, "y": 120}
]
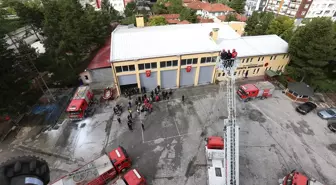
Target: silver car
[{"x": 327, "y": 113}]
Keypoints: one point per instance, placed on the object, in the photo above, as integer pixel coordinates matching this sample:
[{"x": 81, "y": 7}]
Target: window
[
  {"x": 168, "y": 63},
  {"x": 251, "y": 59},
  {"x": 303, "y": 12},
  {"x": 141, "y": 67},
  {"x": 86, "y": 77},
  {"x": 120, "y": 69},
  {"x": 125, "y": 68},
  {"x": 273, "y": 57},
  {"x": 223, "y": 74},
  {"x": 183, "y": 62},
  {"x": 218, "y": 172},
  {"x": 238, "y": 73},
  {"x": 327, "y": 12},
  {"x": 306, "y": 6},
  {"x": 194, "y": 60},
  {"x": 330, "y": 5},
  {"x": 208, "y": 59},
  {"x": 219, "y": 74},
  {"x": 147, "y": 66},
  {"x": 243, "y": 60},
  {"x": 235, "y": 73},
  {"x": 259, "y": 59},
  {"x": 131, "y": 68},
  {"x": 254, "y": 70},
  {"x": 258, "y": 70}
]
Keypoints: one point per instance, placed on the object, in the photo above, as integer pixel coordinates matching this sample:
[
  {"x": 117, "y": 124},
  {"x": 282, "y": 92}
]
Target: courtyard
[{"x": 274, "y": 139}]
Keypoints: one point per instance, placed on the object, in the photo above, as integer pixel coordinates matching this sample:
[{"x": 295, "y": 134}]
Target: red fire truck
[
  {"x": 259, "y": 90},
  {"x": 296, "y": 178},
  {"x": 103, "y": 170},
  {"x": 80, "y": 103}
]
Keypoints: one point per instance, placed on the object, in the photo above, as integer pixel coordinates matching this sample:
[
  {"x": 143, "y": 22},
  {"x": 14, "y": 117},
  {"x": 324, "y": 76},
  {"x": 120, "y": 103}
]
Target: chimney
[
  {"x": 140, "y": 23},
  {"x": 214, "y": 34}
]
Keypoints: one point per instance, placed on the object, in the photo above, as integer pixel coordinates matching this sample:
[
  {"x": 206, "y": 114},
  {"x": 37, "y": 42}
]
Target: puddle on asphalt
[{"x": 256, "y": 115}]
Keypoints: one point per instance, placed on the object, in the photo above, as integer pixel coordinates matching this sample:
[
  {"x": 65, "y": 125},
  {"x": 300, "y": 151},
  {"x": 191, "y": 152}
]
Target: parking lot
[{"x": 274, "y": 139}]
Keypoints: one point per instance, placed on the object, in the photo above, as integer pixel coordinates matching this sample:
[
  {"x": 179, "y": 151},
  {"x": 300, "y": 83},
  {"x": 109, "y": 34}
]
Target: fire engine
[
  {"x": 259, "y": 90},
  {"x": 103, "y": 170},
  {"x": 80, "y": 103},
  {"x": 296, "y": 178}
]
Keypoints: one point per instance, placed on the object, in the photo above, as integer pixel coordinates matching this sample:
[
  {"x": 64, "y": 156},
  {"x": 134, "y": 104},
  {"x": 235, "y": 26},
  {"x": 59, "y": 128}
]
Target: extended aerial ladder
[{"x": 223, "y": 152}]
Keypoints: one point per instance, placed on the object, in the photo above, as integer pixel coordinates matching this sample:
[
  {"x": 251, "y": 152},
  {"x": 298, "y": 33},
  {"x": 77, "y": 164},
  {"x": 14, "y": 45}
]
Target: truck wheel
[{"x": 262, "y": 98}]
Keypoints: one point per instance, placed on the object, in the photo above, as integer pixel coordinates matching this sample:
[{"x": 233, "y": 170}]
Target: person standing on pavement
[
  {"x": 129, "y": 124},
  {"x": 130, "y": 115},
  {"x": 182, "y": 98},
  {"x": 119, "y": 120},
  {"x": 129, "y": 104},
  {"x": 142, "y": 126}
]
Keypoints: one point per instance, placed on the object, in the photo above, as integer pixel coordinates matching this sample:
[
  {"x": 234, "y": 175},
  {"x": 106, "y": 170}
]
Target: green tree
[
  {"x": 175, "y": 7},
  {"x": 128, "y": 20},
  {"x": 258, "y": 23},
  {"x": 238, "y": 5},
  {"x": 311, "y": 48},
  {"x": 231, "y": 17},
  {"x": 282, "y": 26},
  {"x": 109, "y": 11},
  {"x": 189, "y": 15},
  {"x": 157, "y": 21},
  {"x": 130, "y": 9},
  {"x": 159, "y": 8}
]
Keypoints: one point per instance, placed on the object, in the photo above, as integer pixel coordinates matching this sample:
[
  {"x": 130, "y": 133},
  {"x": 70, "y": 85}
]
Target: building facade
[
  {"x": 174, "y": 56},
  {"x": 118, "y": 5},
  {"x": 322, "y": 8},
  {"x": 292, "y": 8}
]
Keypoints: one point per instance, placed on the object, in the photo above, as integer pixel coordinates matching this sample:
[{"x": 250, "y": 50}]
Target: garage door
[
  {"x": 205, "y": 75},
  {"x": 102, "y": 78},
  {"x": 187, "y": 79},
  {"x": 148, "y": 82},
  {"x": 127, "y": 79},
  {"x": 168, "y": 79}
]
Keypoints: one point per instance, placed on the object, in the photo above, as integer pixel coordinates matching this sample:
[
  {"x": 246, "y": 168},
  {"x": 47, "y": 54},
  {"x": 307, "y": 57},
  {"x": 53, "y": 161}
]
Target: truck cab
[
  {"x": 133, "y": 177},
  {"x": 247, "y": 91},
  {"x": 76, "y": 109},
  {"x": 296, "y": 178},
  {"x": 120, "y": 159},
  {"x": 215, "y": 142}
]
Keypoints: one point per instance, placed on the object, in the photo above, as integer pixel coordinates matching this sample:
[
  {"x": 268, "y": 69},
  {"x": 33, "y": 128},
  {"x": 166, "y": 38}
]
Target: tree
[
  {"x": 282, "y": 26},
  {"x": 311, "y": 48},
  {"x": 189, "y": 15},
  {"x": 175, "y": 7},
  {"x": 130, "y": 9},
  {"x": 238, "y": 5},
  {"x": 231, "y": 17},
  {"x": 129, "y": 20},
  {"x": 109, "y": 11},
  {"x": 31, "y": 12},
  {"x": 258, "y": 23},
  {"x": 157, "y": 21},
  {"x": 159, "y": 8}
]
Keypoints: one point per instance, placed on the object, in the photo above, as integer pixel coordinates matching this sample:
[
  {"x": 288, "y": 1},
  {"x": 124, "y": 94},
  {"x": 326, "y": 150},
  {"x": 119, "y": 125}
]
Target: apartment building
[
  {"x": 292, "y": 8},
  {"x": 174, "y": 56},
  {"x": 322, "y": 8},
  {"x": 118, "y": 5},
  {"x": 208, "y": 10}
]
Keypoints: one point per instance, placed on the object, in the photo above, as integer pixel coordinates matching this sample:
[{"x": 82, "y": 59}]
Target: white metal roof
[
  {"x": 169, "y": 40},
  {"x": 215, "y": 162},
  {"x": 88, "y": 172},
  {"x": 132, "y": 43},
  {"x": 81, "y": 92}
]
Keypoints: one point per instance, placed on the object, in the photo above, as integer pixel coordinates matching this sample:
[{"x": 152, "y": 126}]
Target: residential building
[
  {"x": 208, "y": 10},
  {"x": 292, "y": 8},
  {"x": 239, "y": 17},
  {"x": 118, "y": 5},
  {"x": 174, "y": 56},
  {"x": 322, "y": 8},
  {"x": 186, "y": 2},
  {"x": 172, "y": 18},
  {"x": 254, "y": 5}
]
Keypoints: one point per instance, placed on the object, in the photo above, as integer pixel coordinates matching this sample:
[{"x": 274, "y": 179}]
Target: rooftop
[
  {"x": 239, "y": 17},
  {"x": 204, "y": 20},
  {"x": 215, "y": 7},
  {"x": 132, "y": 43},
  {"x": 101, "y": 60}
]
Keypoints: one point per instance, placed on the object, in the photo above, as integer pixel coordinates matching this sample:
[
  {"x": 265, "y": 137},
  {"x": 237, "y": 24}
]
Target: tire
[{"x": 25, "y": 165}]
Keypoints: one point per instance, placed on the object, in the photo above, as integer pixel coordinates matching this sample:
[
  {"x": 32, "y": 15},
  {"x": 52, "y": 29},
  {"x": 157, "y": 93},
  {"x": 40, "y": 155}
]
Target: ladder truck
[{"x": 222, "y": 152}]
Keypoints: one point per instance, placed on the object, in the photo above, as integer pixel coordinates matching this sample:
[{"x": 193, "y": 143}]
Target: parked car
[
  {"x": 332, "y": 125},
  {"x": 305, "y": 108},
  {"x": 327, "y": 113}
]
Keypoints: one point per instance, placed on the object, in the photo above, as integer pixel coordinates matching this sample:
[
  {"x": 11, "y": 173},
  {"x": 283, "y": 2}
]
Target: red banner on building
[
  {"x": 188, "y": 69},
  {"x": 148, "y": 73}
]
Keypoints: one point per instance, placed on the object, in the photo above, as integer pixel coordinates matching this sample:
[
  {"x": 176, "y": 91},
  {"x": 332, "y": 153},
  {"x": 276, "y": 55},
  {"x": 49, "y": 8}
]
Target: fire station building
[{"x": 174, "y": 56}]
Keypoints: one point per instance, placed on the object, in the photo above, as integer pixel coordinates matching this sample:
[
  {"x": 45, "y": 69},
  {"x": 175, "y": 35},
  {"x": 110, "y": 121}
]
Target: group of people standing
[
  {"x": 143, "y": 103},
  {"x": 228, "y": 57}
]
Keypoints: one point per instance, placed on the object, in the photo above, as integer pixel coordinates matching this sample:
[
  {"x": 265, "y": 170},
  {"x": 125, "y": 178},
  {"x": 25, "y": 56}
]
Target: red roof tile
[
  {"x": 216, "y": 7},
  {"x": 190, "y": 1},
  {"x": 239, "y": 17},
  {"x": 184, "y": 22},
  {"x": 203, "y": 20},
  {"x": 172, "y": 21},
  {"x": 102, "y": 57}
]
